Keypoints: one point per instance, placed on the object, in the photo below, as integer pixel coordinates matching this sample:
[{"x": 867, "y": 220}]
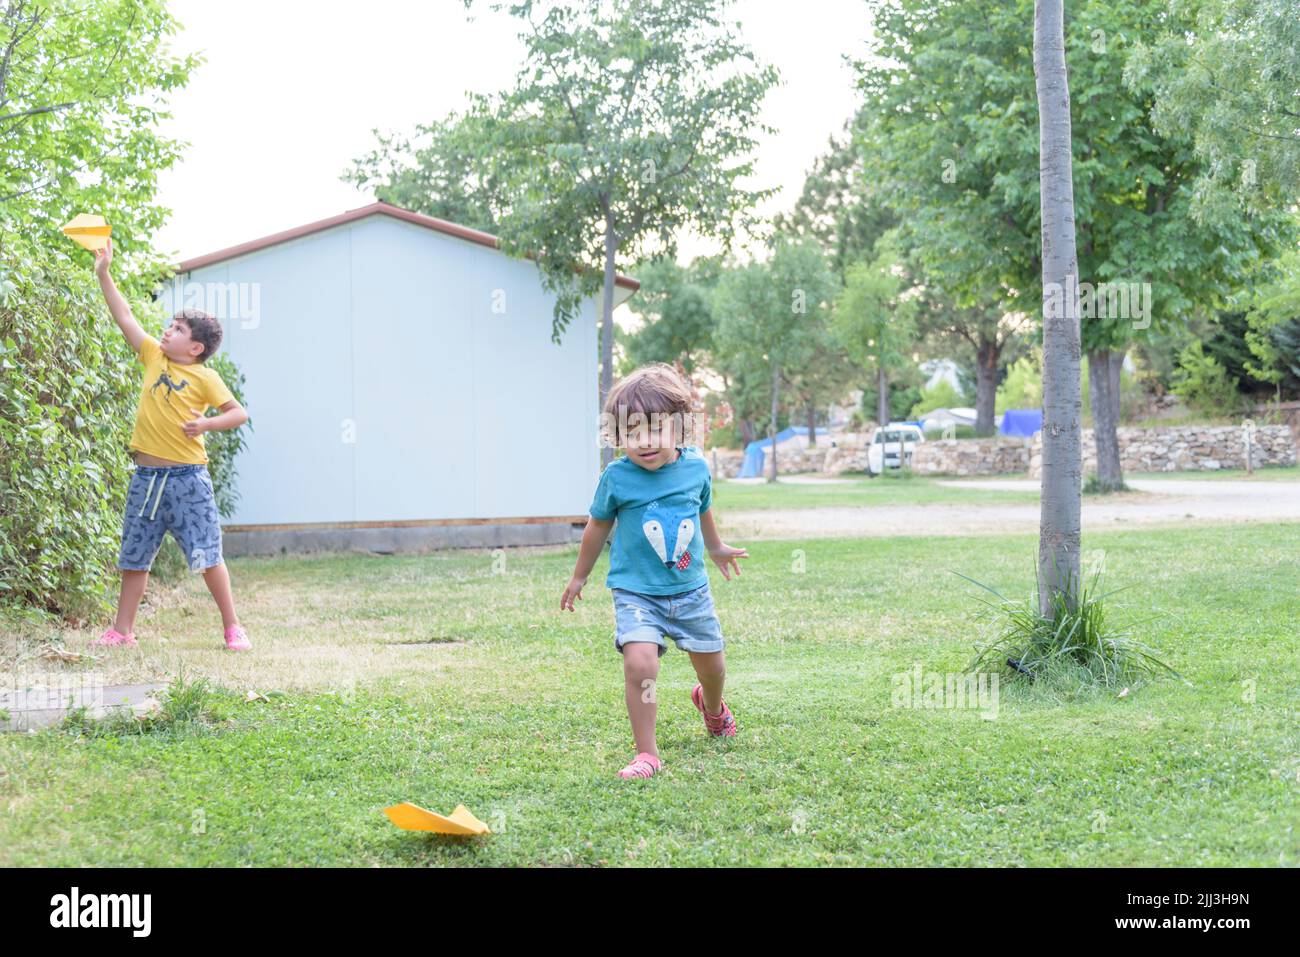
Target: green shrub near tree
[
  {"x": 941, "y": 396},
  {"x": 64, "y": 388},
  {"x": 1204, "y": 384}
]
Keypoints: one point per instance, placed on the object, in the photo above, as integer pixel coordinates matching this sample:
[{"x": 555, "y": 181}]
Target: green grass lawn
[
  {"x": 893, "y": 488},
  {"x": 444, "y": 679}
]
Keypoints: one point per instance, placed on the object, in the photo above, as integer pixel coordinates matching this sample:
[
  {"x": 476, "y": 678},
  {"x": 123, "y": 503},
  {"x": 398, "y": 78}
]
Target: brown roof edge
[{"x": 386, "y": 209}]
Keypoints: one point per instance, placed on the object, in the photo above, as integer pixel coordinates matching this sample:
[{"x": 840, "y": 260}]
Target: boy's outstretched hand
[
  {"x": 724, "y": 556},
  {"x": 104, "y": 259},
  {"x": 571, "y": 591}
]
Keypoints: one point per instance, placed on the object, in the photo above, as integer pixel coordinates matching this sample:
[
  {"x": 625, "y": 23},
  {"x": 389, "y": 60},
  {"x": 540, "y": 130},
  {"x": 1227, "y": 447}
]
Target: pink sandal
[
  {"x": 643, "y": 766},
  {"x": 237, "y": 639},
  {"x": 112, "y": 636},
  {"x": 719, "y": 725}
]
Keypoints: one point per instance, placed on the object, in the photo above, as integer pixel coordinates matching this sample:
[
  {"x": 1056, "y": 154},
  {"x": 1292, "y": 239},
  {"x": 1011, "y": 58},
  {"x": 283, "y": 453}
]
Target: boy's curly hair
[
  {"x": 204, "y": 329},
  {"x": 654, "y": 388}
]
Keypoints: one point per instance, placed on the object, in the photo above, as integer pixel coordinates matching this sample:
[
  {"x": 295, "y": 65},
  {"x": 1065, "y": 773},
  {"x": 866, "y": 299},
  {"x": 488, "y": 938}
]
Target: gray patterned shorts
[{"x": 177, "y": 499}]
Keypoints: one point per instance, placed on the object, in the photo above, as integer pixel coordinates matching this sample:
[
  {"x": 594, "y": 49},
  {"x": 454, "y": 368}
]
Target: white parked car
[{"x": 887, "y": 443}]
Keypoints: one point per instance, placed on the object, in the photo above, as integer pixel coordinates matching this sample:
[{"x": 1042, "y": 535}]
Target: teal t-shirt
[{"x": 658, "y": 547}]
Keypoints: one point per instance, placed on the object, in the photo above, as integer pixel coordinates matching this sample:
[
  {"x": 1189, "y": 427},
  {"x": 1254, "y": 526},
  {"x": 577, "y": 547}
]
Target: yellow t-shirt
[{"x": 173, "y": 394}]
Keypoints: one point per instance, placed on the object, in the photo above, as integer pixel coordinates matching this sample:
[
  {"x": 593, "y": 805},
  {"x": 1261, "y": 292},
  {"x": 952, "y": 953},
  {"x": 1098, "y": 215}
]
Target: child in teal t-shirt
[
  {"x": 658, "y": 546},
  {"x": 658, "y": 499}
]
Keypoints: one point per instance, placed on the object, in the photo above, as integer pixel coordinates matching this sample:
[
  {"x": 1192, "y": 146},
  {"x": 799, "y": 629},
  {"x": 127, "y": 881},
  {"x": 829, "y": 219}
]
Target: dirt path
[{"x": 1162, "y": 502}]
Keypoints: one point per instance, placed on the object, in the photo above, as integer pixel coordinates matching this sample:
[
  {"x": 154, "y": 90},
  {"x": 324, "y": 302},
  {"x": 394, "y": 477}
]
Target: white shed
[{"x": 402, "y": 386}]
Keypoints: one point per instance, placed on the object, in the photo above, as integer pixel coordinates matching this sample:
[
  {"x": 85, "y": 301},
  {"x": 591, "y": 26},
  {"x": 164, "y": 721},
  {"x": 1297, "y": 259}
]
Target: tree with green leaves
[
  {"x": 677, "y": 307},
  {"x": 979, "y": 331},
  {"x": 82, "y": 89},
  {"x": 1225, "y": 76},
  {"x": 1273, "y": 327},
  {"x": 628, "y": 122},
  {"x": 772, "y": 315},
  {"x": 840, "y": 205},
  {"x": 825, "y": 375},
  {"x": 954, "y": 129},
  {"x": 875, "y": 321}
]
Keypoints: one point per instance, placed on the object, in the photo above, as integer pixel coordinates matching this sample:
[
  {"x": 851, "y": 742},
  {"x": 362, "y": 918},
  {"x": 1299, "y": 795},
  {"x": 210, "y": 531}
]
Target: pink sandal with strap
[
  {"x": 112, "y": 636},
  {"x": 718, "y": 725},
  {"x": 643, "y": 765}
]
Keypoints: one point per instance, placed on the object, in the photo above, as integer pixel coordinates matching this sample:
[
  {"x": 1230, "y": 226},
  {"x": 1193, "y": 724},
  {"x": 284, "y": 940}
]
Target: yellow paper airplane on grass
[
  {"x": 88, "y": 231},
  {"x": 412, "y": 817}
]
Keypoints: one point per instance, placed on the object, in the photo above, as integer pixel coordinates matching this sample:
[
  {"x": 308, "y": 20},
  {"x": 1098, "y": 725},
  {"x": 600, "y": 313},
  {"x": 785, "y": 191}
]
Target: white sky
[{"x": 288, "y": 96}]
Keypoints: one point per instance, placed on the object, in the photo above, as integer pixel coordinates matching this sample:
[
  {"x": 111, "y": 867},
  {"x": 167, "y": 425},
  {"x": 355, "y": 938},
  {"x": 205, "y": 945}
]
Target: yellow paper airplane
[
  {"x": 88, "y": 231},
  {"x": 412, "y": 817}
]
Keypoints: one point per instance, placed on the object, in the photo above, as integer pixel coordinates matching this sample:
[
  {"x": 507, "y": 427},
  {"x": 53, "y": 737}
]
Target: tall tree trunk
[
  {"x": 607, "y": 329},
  {"x": 1103, "y": 397},
  {"x": 1116, "y": 370},
  {"x": 812, "y": 424},
  {"x": 986, "y": 384},
  {"x": 776, "y": 385},
  {"x": 882, "y": 396},
  {"x": 747, "y": 431},
  {"x": 1058, "y": 532}
]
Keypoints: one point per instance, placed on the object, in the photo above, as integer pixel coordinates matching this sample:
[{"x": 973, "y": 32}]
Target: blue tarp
[
  {"x": 753, "y": 464},
  {"x": 1021, "y": 422}
]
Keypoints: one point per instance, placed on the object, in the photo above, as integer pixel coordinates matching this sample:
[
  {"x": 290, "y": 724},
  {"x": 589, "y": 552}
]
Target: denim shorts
[
  {"x": 177, "y": 499},
  {"x": 687, "y": 618}
]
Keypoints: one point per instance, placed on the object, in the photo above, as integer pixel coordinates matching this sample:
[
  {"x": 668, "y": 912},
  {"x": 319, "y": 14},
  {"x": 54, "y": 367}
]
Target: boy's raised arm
[{"x": 117, "y": 305}]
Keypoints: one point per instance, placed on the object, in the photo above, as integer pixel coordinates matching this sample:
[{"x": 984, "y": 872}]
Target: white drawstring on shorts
[
  {"x": 148, "y": 492},
  {"x": 156, "y": 501}
]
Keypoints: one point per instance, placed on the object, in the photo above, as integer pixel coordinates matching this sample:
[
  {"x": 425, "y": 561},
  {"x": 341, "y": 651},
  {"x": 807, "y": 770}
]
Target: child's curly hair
[
  {"x": 204, "y": 329},
  {"x": 654, "y": 389}
]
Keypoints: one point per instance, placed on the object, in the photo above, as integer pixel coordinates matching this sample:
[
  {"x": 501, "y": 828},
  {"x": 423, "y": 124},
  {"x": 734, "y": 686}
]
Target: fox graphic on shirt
[{"x": 669, "y": 533}]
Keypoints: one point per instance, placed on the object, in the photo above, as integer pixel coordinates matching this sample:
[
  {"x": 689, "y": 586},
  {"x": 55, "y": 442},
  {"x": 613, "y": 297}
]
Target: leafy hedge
[{"x": 68, "y": 390}]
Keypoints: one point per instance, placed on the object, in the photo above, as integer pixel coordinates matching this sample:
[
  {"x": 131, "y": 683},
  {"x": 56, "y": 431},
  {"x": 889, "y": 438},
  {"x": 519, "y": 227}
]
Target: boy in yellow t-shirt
[{"x": 171, "y": 490}]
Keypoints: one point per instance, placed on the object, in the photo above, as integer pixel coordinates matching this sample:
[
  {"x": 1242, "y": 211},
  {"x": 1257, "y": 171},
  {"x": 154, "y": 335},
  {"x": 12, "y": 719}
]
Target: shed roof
[{"x": 361, "y": 212}]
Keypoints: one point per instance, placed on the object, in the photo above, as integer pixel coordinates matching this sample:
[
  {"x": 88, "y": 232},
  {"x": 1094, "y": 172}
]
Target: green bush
[
  {"x": 1204, "y": 384},
  {"x": 1023, "y": 386},
  {"x": 224, "y": 447},
  {"x": 942, "y": 396},
  {"x": 67, "y": 390},
  {"x": 957, "y": 432}
]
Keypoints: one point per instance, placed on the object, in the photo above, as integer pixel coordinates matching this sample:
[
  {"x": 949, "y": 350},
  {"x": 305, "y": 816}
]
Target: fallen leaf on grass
[{"x": 55, "y": 653}]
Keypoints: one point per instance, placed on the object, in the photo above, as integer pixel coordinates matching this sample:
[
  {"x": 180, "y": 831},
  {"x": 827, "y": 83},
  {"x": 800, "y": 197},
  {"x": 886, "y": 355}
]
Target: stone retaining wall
[
  {"x": 1185, "y": 448},
  {"x": 992, "y": 456},
  {"x": 1165, "y": 449}
]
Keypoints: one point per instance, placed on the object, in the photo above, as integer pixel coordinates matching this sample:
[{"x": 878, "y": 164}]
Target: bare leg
[
  {"x": 640, "y": 671},
  {"x": 128, "y": 600},
  {"x": 218, "y": 582},
  {"x": 711, "y": 669}
]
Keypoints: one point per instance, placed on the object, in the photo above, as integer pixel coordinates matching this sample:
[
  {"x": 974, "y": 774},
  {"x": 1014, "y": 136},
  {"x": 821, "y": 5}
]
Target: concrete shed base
[{"x": 385, "y": 541}]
